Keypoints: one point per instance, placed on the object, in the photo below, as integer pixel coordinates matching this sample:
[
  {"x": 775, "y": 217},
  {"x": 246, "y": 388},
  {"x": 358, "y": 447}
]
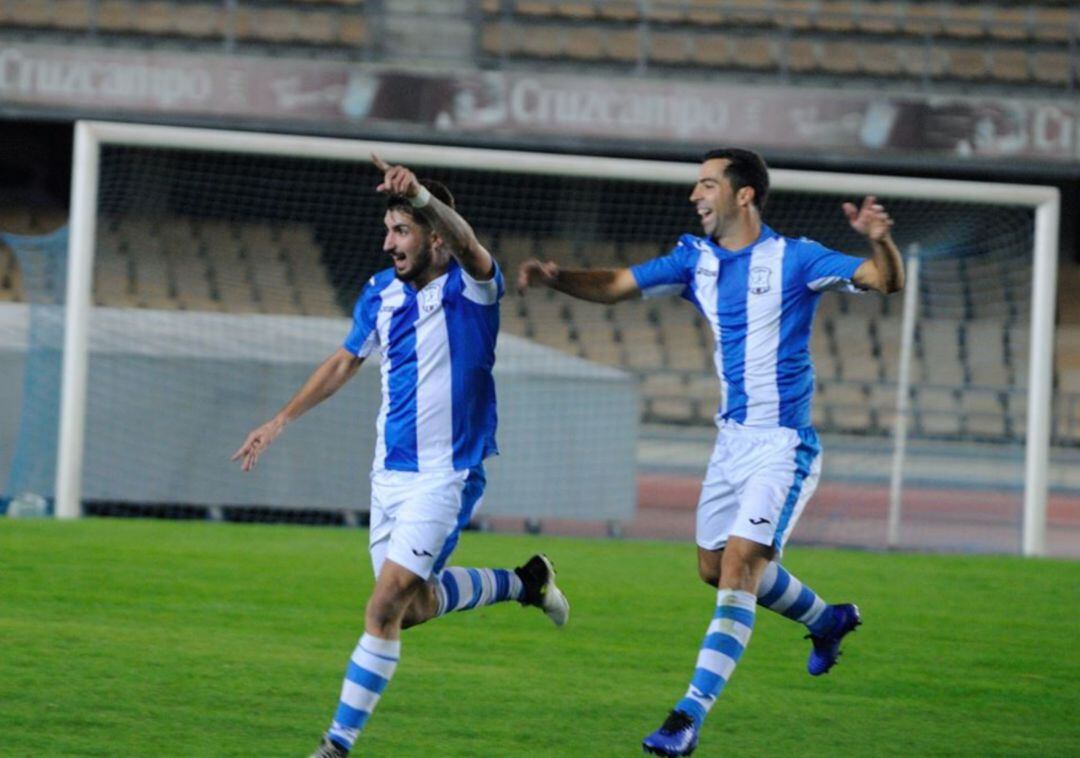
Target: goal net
[{"x": 225, "y": 266}]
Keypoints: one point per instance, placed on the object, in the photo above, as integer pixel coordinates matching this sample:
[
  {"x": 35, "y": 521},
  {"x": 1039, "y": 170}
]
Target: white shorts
[
  {"x": 757, "y": 484},
  {"x": 416, "y": 518}
]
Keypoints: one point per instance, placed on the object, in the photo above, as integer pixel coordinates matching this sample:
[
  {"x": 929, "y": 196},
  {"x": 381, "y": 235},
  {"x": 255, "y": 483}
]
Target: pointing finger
[{"x": 380, "y": 163}]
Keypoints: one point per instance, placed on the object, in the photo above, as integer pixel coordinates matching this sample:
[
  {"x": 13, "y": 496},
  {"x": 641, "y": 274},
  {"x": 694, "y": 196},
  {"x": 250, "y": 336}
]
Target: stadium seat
[
  {"x": 788, "y": 14},
  {"x": 923, "y": 19},
  {"x": 1053, "y": 68},
  {"x": 967, "y": 63},
  {"x": 154, "y": 18},
  {"x": 624, "y": 45},
  {"x": 115, "y": 16},
  {"x": 73, "y": 15},
  {"x": 754, "y": 52},
  {"x": 879, "y": 17},
  {"x": 273, "y": 24},
  {"x": 1054, "y": 24},
  {"x": 882, "y": 402},
  {"x": 537, "y": 8},
  {"x": 31, "y": 13},
  {"x": 513, "y": 322},
  {"x": 983, "y": 413},
  {"x": 801, "y": 55},
  {"x": 318, "y": 28},
  {"x": 665, "y": 11},
  {"x": 643, "y": 356},
  {"x": 839, "y": 57},
  {"x": 540, "y": 41},
  {"x": 937, "y": 412},
  {"x": 984, "y": 346},
  {"x": 833, "y": 16},
  {"x": 669, "y": 47},
  {"x": 599, "y": 345},
  {"x": 964, "y": 21},
  {"x": 1009, "y": 22},
  {"x": 704, "y": 390},
  {"x": 664, "y": 384},
  {"x": 1009, "y": 65},
  {"x": 880, "y": 59},
  {"x": 543, "y": 310},
  {"x": 847, "y": 405},
  {"x": 585, "y": 43},
  {"x": 352, "y": 30},
  {"x": 619, "y": 10},
  {"x": 705, "y": 12},
  {"x": 939, "y": 346},
  {"x": 712, "y": 50}
]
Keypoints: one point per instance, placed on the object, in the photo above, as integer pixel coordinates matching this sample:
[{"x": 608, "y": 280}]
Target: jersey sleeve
[
  {"x": 363, "y": 337},
  {"x": 669, "y": 274},
  {"x": 825, "y": 269},
  {"x": 486, "y": 292}
]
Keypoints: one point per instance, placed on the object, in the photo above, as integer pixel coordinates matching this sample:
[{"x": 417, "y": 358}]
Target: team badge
[
  {"x": 430, "y": 299},
  {"x": 759, "y": 280}
]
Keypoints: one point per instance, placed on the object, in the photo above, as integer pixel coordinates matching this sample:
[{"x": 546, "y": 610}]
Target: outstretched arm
[
  {"x": 327, "y": 379},
  {"x": 600, "y": 285},
  {"x": 454, "y": 230},
  {"x": 884, "y": 272}
]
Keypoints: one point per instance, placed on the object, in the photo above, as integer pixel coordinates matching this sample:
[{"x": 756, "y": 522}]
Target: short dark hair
[
  {"x": 745, "y": 169},
  {"x": 401, "y": 203}
]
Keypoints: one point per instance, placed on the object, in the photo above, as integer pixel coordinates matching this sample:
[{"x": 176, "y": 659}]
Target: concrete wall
[{"x": 172, "y": 395}]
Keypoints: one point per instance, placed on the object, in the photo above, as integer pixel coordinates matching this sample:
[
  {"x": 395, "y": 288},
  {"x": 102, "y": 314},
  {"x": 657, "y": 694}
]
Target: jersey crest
[
  {"x": 759, "y": 280},
  {"x": 431, "y": 298}
]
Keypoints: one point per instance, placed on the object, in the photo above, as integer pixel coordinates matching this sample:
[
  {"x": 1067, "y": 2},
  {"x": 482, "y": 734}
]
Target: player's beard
[
  {"x": 421, "y": 263},
  {"x": 721, "y": 223}
]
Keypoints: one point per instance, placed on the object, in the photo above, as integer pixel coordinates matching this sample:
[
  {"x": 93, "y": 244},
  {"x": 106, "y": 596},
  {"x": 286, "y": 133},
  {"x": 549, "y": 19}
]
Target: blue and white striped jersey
[
  {"x": 760, "y": 302},
  {"x": 437, "y": 352}
]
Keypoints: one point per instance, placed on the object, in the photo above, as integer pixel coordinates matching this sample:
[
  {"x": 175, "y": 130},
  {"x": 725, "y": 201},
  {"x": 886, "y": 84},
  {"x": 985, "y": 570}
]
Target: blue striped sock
[
  {"x": 781, "y": 592},
  {"x": 723, "y": 646},
  {"x": 370, "y": 668},
  {"x": 461, "y": 589}
]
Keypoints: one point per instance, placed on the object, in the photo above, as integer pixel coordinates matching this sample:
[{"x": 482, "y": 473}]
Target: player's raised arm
[
  {"x": 454, "y": 230},
  {"x": 601, "y": 285},
  {"x": 884, "y": 272},
  {"x": 324, "y": 381}
]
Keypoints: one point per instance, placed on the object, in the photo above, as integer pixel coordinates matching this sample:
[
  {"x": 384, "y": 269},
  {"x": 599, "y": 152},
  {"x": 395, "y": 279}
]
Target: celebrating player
[
  {"x": 758, "y": 290},
  {"x": 433, "y": 318}
]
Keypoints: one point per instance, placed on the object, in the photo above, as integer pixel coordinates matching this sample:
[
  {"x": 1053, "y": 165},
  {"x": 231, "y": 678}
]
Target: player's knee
[
  {"x": 384, "y": 613},
  {"x": 709, "y": 563},
  {"x": 709, "y": 574},
  {"x": 423, "y": 608}
]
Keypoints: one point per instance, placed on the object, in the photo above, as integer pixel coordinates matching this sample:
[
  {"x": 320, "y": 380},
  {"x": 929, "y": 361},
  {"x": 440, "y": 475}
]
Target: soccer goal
[{"x": 208, "y": 271}]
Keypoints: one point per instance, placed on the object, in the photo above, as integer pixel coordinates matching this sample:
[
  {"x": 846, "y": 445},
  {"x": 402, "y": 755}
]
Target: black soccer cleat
[
  {"x": 329, "y": 749},
  {"x": 538, "y": 579}
]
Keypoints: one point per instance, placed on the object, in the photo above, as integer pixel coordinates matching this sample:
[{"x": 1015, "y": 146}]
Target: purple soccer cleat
[
  {"x": 677, "y": 736},
  {"x": 827, "y": 646}
]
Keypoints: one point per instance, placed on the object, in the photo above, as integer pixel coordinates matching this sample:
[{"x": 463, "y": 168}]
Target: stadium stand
[
  {"x": 323, "y": 23},
  {"x": 993, "y": 43},
  {"x": 969, "y": 370}
]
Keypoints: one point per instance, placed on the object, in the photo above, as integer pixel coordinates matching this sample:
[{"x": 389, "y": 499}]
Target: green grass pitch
[{"x": 193, "y": 639}]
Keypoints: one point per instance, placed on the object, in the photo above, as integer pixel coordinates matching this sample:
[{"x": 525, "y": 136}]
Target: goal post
[{"x": 92, "y": 136}]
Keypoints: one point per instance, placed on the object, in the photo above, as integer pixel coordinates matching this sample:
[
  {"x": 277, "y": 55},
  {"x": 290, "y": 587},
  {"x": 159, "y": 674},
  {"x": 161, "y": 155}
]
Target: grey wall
[{"x": 171, "y": 395}]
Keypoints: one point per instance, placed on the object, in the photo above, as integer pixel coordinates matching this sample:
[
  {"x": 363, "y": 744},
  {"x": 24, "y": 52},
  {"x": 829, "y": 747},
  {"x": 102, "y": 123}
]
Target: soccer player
[
  {"x": 758, "y": 290},
  {"x": 432, "y": 318}
]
